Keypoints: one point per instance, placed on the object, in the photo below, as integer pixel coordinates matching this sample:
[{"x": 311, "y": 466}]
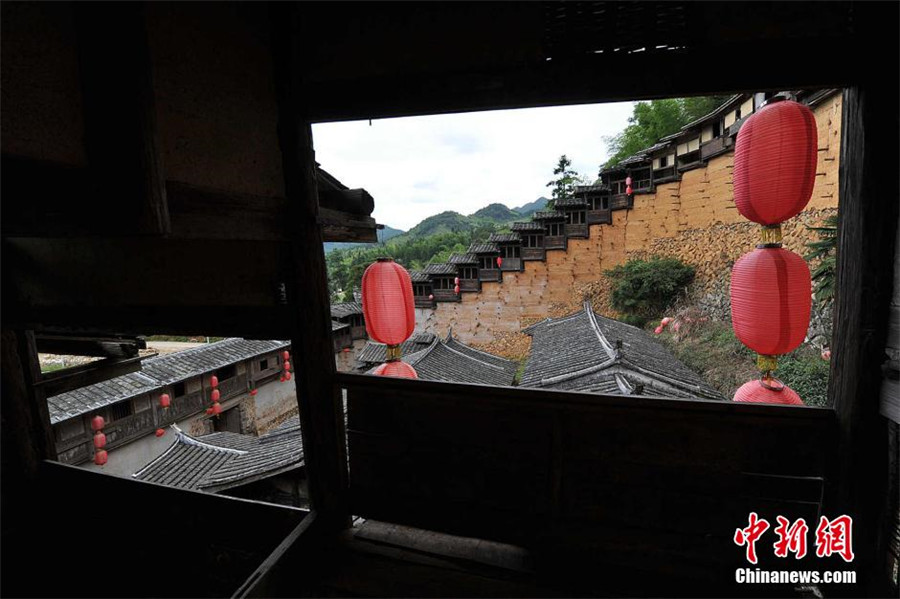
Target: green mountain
[
  {"x": 383, "y": 235},
  {"x": 445, "y": 222},
  {"x": 532, "y": 207},
  {"x": 496, "y": 212}
]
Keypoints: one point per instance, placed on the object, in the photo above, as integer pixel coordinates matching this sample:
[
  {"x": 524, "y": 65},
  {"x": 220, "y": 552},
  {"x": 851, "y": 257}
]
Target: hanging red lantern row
[
  {"x": 285, "y": 366},
  {"x": 100, "y": 455},
  {"x": 771, "y": 288},
  {"x": 389, "y": 311},
  {"x": 164, "y": 401},
  {"x": 215, "y": 395},
  {"x": 628, "y": 189}
]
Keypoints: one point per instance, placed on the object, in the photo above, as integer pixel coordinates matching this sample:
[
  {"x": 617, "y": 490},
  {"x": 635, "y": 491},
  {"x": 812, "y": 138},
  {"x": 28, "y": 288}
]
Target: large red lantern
[
  {"x": 213, "y": 381},
  {"x": 767, "y": 391},
  {"x": 388, "y": 305},
  {"x": 97, "y": 423},
  {"x": 215, "y": 395},
  {"x": 770, "y": 300},
  {"x": 396, "y": 369},
  {"x": 775, "y": 162},
  {"x": 99, "y": 440},
  {"x": 100, "y": 457},
  {"x": 164, "y": 401}
]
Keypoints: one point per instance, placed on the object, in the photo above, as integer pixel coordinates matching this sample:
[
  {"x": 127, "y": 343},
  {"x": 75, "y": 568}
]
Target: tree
[
  {"x": 651, "y": 121},
  {"x": 643, "y": 289},
  {"x": 825, "y": 251},
  {"x": 564, "y": 185}
]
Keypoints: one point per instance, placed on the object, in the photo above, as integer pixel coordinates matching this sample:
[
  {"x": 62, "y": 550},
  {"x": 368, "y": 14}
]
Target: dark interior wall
[{"x": 215, "y": 95}]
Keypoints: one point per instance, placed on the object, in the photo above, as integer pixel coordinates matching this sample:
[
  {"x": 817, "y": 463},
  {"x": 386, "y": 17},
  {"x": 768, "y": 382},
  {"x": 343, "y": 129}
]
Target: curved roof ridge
[
  {"x": 474, "y": 359},
  {"x": 592, "y": 319},
  {"x": 475, "y": 349},
  {"x": 416, "y": 357}
]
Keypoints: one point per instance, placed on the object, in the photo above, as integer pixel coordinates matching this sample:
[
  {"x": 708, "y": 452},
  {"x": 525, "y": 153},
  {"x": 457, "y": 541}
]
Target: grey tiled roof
[
  {"x": 223, "y": 460},
  {"x": 591, "y": 188},
  {"x": 463, "y": 259},
  {"x": 578, "y": 353},
  {"x": 417, "y": 276},
  {"x": 452, "y": 361},
  {"x": 484, "y": 248},
  {"x": 337, "y": 325},
  {"x": 505, "y": 238},
  {"x": 158, "y": 372},
  {"x": 375, "y": 353},
  {"x": 345, "y": 309},
  {"x": 440, "y": 269},
  {"x": 635, "y": 159},
  {"x": 570, "y": 202},
  {"x": 527, "y": 226},
  {"x": 548, "y": 215}
]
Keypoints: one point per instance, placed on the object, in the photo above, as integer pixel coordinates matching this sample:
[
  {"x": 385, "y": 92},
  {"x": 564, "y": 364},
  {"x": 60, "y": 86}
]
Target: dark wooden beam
[
  {"x": 83, "y": 375},
  {"x": 319, "y": 399},
  {"x": 101, "y": 347},
  {"x": 865, "y": 271},
  {"x": 27, "y": 437},
  {"x": 121, "y": 138}
]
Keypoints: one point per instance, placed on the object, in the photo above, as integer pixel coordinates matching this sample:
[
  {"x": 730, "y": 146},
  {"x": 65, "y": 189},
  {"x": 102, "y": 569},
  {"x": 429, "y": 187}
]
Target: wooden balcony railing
[
  {"x": 599, "y": 217},
  {"x": 511, "y": 264},
  {"x": 579, "y": 230},
  {"x": 714, "y": 146},
  {"x": 446, "y": 295},
  {"x": 601, "y": 481},
  {"x": 469, "y": 285},
  {"x": 555, "y": 242},
  {"x": 665, "y": 174},
  {"x": 490, "y": 274},
  {"x": 533, "y": 254},
  {"x": 424, "y": 302}
]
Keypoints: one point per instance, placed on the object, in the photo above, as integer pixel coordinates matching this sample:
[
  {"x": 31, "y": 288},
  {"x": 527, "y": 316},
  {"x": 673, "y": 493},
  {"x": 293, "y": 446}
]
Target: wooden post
[
  {"x": 319, "y": 399},
  {"x": 867, "y": 233},
  {"x": 27, "y": 437}
]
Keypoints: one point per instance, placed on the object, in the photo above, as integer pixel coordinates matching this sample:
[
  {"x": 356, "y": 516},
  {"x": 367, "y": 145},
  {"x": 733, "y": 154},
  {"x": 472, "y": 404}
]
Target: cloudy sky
[{"x": 418, "y": 166}]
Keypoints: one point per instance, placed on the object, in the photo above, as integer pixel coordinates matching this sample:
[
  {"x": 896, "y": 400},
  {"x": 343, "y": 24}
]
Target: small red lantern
[
  {"x": 287, "y": 376},
  {"x": 770, "y": 300},
  {"x": 629, "y": 191},
  {"x": 826, "y": 354},
  {"x": 254, "y": 391},
  {"x": 286, "y": 355},
  {"x": 100, "y": 457},
  {"x": 215, "y": 395},
  {"x": 287, "y": 366},
  {"x": 346, "y": 350},
  {"x": 499, "y": 261},
  {"x": 97, "y": 423},
  {"x": 456, "y": 281},
  {"x": 216, "y": 409},
  {"x": 388, "y": 304},
  {"x": 431, "y": 297},
  {"x": 775, "y": 162},
  {"x": 164, "y": 401},
  {"x": 160, "y": 432},
  {"x": 99, "y": 440},
  {"x": 213, "y": 381},
  {"x": 209, "y": 411},
  {"x": 767, "y": 391},
  {"x": 456, "y": 290},
  {"x": 658, "y": 330},
  {"x": 282, "y": 378},
  {"x": 396, "y": 369},
  {"x": 628, "y": 181}
]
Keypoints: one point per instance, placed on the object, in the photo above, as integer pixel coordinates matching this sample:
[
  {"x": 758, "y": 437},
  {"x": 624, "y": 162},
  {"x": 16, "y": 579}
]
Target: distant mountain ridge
[
  {"x": 383, "y": 235},
  {"x": 532, "y": 207}
]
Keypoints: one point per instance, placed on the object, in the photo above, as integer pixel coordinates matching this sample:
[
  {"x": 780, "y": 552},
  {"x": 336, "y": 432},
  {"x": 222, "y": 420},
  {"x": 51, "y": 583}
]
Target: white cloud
[{"x": 418, "y": 166}]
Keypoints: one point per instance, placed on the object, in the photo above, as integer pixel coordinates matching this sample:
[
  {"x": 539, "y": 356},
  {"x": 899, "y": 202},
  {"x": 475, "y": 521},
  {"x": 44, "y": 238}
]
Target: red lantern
[
  {"x": 286, "y": 355},
  {"x": 282, "y": 378},
  {"x": 209, "y": 411},
  {"x": 431, "y": 297},
  {"x": 97, "y": 423},
  {"x": 826, "y": 354},
  {"x": 287, "y": 365},
  {"x": 213, "y": 381},
  {"x": 254, "y": 391},
  {"x": 456, "y": 281},
  {"x": 346, "y": 350},
  {"x": 775, "y": 162},
  {"x": 160, "y": 432},
  {"x": 287, "y": 376},
  {"x": 628, "y": 181},
  {"x": 100, "y": 457},
  {"x": 658, "y": 330},
  {"x": 767, "y": 391},
  {"x": 770, "y": 300},
  {"x": 217, "y": 409},
  {"x": 164, "y": 401},
  {"x": 456, "y": 290},
  {"x": 629, "y": 191},
  {"x": 215, "y": 395},
  {"x": 99, "y": 440},
  {"x": 388, "y": 305},
  {"x": 499, "y": 261},
  {"x": 396, "y": 369}
]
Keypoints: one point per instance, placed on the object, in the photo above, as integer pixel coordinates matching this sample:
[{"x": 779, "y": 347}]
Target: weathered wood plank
[{"x": 75, "y": 377}]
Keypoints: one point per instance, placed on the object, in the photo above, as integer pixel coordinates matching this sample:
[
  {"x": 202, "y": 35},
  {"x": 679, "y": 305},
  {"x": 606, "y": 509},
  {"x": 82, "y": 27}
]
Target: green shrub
[
  {"x": 805, "y": 372},
  {"x": 645, "y": 288}
]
